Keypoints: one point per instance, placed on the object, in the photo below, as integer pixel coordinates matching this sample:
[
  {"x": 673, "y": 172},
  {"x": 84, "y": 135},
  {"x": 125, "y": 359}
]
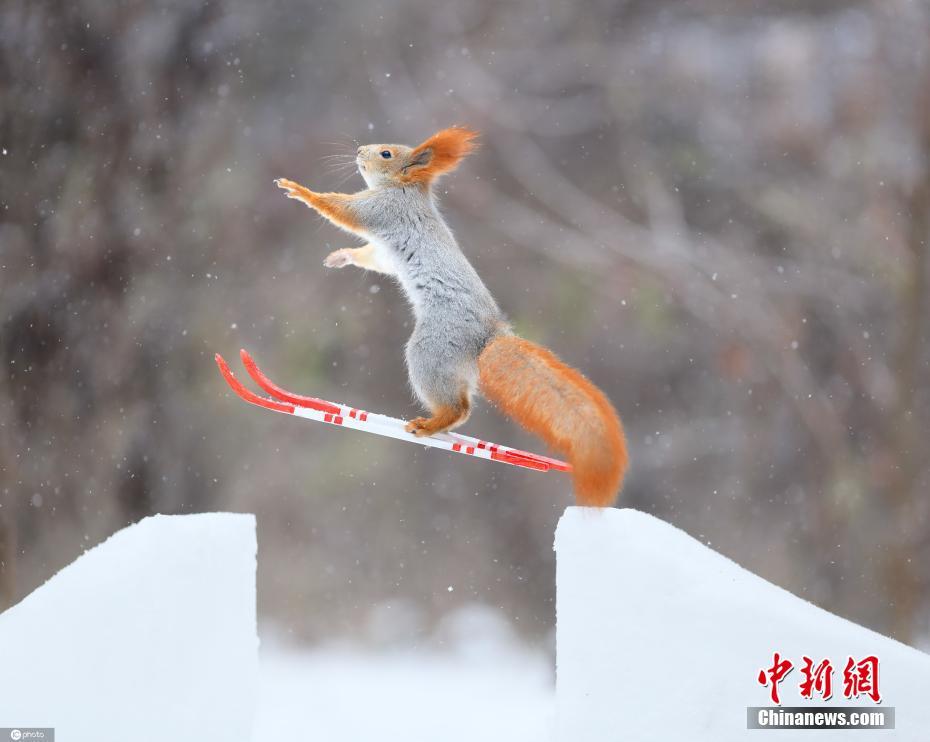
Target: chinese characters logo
[{"x": 859, "y": 678}]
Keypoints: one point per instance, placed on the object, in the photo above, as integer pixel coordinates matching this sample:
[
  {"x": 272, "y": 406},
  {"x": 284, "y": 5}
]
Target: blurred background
[{"x": 718, "y": 210}]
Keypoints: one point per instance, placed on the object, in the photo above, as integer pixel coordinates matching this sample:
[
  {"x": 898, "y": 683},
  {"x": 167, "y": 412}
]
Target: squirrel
[{"x": 461, "y": 342}]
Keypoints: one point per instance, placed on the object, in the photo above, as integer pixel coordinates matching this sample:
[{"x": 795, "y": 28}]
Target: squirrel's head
[{"x": 380, "y": 164}]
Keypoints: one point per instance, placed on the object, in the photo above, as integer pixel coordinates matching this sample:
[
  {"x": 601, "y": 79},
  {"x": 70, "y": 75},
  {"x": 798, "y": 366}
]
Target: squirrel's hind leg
[{"x": 445, "y": 417}]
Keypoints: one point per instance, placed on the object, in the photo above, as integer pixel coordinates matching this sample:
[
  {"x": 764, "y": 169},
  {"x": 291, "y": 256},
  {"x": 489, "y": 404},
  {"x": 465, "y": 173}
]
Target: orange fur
[
  {"x": 551, "y": 399},
  {"x": 447, "y": 148},
  {"x": 337, "y": 207},
  {"x": 445, "y": 417}
]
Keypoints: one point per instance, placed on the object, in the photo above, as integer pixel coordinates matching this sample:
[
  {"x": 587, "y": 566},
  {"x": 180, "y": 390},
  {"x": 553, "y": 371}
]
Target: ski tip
[
  {"x": 224, "y": 368},
  {"x": 249, "y": 396},
  {"x": 250, "y": 365}
]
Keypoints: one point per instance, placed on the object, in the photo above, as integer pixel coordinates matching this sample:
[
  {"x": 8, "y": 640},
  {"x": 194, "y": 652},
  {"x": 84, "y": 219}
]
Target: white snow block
[
  {"x": 149, "y": 637},
  {"x": 661, "y": 638}
]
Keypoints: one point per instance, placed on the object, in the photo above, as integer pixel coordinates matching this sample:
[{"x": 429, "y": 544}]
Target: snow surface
[
  {"x": 347, "y": 694},
  {"x": 150, "y": 636},
  {"x": 661, "y": 638}
]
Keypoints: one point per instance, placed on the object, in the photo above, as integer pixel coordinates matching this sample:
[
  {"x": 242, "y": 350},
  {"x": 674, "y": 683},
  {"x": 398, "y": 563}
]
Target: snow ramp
[
  {"x": 149, "y": 636},
  {"x": 661, "y": 638}
]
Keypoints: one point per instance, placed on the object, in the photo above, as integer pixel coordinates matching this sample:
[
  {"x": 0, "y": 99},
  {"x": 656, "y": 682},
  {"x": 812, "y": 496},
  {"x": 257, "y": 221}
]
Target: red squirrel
[{"x": 461, "y": 342}]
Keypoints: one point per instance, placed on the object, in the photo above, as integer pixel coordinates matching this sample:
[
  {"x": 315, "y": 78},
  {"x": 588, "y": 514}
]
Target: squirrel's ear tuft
[{"x": 439, "y": 154}]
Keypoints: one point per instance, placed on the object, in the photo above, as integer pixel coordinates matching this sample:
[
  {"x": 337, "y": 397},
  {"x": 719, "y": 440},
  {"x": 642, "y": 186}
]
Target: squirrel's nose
[{"x": 359, "y": 150}]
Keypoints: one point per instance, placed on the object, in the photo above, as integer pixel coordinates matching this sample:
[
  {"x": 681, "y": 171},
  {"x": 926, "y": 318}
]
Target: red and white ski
[{"x": 333, "y": 413}]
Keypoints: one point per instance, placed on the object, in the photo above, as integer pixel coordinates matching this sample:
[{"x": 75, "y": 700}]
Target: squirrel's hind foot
[
  {"x": 420, "y": 427},
  {"x": 444, "y": 418}
]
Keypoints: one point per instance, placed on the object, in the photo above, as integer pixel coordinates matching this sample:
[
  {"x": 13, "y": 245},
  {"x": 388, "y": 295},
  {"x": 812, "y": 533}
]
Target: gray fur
[{"x": 455, "y": 313}]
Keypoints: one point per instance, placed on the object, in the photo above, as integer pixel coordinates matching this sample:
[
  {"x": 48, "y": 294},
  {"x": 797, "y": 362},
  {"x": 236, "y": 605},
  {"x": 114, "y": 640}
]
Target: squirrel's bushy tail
[{"x": 551, "y": 399}]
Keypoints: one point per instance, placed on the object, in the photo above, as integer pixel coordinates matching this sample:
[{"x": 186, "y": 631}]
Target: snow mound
[
  {"x": 150, "y": 636},
  {"x": 661, "y": 638}
]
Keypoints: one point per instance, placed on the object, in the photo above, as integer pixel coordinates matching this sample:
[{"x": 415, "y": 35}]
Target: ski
[{"x": 333, "y": 413}]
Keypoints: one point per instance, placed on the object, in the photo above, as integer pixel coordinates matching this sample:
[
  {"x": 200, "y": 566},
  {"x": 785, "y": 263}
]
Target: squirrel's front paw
[
  {"x": 291, "y": 189},
  {"x": 419, "y": 426},
  {"x": 339, "y": 259}
]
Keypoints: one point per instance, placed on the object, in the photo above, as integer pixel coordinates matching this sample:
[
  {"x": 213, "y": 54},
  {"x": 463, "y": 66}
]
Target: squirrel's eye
[{"x": 386, "y": 154}]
